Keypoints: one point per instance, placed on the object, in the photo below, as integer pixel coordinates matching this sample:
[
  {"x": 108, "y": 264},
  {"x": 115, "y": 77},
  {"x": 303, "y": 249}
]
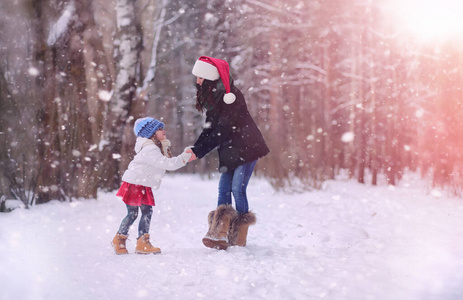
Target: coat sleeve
[
  {"x": 153, "y": 156},
  {"x": 221, "y": 127}
]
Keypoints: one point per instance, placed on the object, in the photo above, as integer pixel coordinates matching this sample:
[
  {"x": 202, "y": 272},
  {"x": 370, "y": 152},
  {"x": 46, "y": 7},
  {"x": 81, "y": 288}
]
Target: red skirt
[{"x": 135, "y": 195}]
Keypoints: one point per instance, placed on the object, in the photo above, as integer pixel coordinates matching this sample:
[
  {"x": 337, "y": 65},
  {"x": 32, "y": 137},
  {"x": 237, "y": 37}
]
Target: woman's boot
[
  {"x": 144, "y": 245},
  {"x": 219, "y": 224},
  {"x": 118, "y": 244},
  {"x": 239, "y": 229}
]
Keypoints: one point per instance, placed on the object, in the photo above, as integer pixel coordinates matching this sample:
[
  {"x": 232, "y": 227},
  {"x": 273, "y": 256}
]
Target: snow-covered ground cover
[{"x": 347, "y": 241}]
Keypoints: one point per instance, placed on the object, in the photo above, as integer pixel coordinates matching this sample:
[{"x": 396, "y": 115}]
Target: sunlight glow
[{"x": 431, "y": 19}]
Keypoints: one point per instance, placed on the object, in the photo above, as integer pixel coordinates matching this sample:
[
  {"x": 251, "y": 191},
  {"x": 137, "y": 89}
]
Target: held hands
[
  {"x": 193, "y": 156},
  {"x": 188, "y": 150}
]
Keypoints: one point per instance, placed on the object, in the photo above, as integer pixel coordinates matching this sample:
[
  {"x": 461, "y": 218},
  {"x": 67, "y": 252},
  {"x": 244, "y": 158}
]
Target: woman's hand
[{"x": 193, "y": 156}]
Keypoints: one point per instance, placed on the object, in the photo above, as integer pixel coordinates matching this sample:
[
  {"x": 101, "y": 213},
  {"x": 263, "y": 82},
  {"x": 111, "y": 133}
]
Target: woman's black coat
[{"x": 231, "y": 128}]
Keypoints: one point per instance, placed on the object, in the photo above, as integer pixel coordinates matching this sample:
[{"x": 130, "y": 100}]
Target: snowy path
[{"x": 348, "y": 241}]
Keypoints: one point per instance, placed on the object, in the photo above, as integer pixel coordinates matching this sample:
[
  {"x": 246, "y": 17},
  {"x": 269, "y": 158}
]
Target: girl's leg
[
  {"x": 143, "y": 241},
  {"x": 240, "y": 181},
  {"x": 145, "y": 220},
  {"x": 225, "y": 188},
  {"x": 132, "y": 214}
]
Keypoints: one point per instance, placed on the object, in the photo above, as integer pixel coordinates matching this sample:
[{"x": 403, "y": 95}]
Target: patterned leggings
[{"x": 132, "y": 214}]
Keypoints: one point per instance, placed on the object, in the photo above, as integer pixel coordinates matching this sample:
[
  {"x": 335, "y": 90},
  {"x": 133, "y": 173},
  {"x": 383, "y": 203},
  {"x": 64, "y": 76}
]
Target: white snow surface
[{"x": 346, "y": 241}]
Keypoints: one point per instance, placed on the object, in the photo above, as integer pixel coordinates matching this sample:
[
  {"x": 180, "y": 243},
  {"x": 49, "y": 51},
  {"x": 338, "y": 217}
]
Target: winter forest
[{"x": 362, "y": 87}]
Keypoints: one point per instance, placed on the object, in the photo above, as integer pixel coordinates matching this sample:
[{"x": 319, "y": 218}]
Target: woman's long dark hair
[{"x": 205, "y": 95}]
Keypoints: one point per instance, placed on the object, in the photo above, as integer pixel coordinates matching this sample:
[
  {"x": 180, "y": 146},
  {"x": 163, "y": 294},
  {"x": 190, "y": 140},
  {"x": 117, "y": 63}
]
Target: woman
[{"x": 231, "y": 129}]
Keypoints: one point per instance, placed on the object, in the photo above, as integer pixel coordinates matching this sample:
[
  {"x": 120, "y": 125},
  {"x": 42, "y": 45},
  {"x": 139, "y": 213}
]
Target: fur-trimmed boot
[
  {"x": 144, "y": 246},
  {"x": 219, "y": 224},
  {"x": 118, "y": 244},
  {"x": 239, "y": 229}
]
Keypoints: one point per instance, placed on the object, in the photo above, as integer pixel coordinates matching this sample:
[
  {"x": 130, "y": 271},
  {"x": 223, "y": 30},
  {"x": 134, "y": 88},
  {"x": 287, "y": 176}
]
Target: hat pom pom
[{"x": 229, "y": 98}]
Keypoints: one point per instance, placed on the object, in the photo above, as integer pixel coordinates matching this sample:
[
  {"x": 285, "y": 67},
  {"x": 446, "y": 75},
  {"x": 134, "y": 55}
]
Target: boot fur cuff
[
  {"x": 220, "y": 217},
  {"x": 210, "y": 218},
  {"x": 248, "y": 218},
  {"x": 224, "y": 211},
  {"x": 239, "y": 222}
]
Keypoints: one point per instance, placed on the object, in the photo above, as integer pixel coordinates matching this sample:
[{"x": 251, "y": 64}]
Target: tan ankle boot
[
  {"x": 144, "y": 245},
  {"x": 118, "y": 244},
  {"x": 239, "y": 229},
  {"x": 219, "y": 224}
]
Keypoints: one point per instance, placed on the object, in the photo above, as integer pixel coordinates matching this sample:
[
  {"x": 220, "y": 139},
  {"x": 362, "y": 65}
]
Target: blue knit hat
[{"x": 147, "y": 127}]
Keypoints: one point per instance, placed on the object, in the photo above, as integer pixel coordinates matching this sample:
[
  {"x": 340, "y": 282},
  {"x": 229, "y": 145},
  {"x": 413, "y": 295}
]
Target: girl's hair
[
  {"x": 158, "y": 143},
  {"x": 205, "y": 95}
]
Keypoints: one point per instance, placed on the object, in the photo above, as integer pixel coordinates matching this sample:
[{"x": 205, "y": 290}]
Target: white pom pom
[{"x": 229, "y": 98}]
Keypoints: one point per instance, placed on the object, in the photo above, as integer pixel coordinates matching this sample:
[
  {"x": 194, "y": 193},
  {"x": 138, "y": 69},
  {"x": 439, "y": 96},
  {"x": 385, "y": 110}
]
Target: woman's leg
[
  {"x": 225, "y": 188},
  {"x": 240, "y": 181},
  {"x": 145, "y": 220},
  {"x": 132, "y": 214}
]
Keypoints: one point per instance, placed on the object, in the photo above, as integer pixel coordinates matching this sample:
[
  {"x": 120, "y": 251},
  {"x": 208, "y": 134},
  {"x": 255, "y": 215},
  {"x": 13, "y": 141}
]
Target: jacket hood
[{"x": 142, "y": 142}]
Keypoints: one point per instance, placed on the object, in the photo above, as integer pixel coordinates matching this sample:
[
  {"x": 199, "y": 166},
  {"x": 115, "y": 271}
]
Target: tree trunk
[{"x": 117, "y": 117}]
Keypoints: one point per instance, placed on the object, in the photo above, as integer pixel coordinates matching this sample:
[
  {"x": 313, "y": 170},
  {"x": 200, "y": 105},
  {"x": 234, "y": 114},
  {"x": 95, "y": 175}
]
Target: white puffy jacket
[{"x": 149, "y": 165}]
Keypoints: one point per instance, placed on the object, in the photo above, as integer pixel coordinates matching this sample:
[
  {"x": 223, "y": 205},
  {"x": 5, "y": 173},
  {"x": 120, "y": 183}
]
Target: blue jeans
[
  {"x": 132, "y": 214},
  {"x": 235, "y": 182}
]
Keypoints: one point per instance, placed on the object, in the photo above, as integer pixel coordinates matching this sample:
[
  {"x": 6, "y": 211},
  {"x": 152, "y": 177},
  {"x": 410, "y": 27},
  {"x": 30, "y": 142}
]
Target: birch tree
[{"x": 127, "y": 53}]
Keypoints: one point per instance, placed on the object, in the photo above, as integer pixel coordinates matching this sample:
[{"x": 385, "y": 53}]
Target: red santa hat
[{"x": 212, "y": 69}]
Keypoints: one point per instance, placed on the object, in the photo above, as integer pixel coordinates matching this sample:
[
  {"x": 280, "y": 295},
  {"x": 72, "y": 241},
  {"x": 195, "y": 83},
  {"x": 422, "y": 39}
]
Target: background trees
[{"x": 333, "y": 85}]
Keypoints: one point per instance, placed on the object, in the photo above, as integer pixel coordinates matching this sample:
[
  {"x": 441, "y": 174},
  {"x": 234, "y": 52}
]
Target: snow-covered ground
[{"x": 347, "y": 241}]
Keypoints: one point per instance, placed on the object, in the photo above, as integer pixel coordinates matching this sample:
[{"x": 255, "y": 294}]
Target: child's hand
[{"x": 193, "y": 156}]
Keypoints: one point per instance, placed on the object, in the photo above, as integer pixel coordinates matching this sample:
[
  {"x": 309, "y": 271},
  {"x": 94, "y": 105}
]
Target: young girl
[{"x": 144, "y": 173}]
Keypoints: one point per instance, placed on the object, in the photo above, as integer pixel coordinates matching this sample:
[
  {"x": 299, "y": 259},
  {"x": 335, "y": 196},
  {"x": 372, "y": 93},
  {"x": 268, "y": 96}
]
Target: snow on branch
[
  {"x": 157, "y": 26},
  {"x": 272, "y": 8},
  {"x": 157, "y": 33},
  {"x": 312, "y": 67},
  {"x": 61, "y": 26}
]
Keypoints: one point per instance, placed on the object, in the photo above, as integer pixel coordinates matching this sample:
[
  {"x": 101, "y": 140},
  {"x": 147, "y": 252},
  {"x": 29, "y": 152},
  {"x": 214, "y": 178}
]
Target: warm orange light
[{"x": 431, "y": 19}]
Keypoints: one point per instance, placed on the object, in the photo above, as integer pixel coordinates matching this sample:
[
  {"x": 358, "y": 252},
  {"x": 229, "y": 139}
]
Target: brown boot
[
  {"x": 206, "y": 239},
  {"x": 210, "y": 218},
  {"x": 219, "y": 224},
  {"x": 118, "y": 243},
  {"x": 239, "y": 229},
  {"x": 144, "y": 246}
]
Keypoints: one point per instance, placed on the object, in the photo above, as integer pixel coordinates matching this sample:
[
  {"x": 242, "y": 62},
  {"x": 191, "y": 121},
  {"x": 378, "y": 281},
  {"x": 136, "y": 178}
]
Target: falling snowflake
[
  {"x": 104, "y": 95},
  {"x": 347, "y": 137},
  {"x": 76, "y": 153},
  {"x": 33, "y": 71}
]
